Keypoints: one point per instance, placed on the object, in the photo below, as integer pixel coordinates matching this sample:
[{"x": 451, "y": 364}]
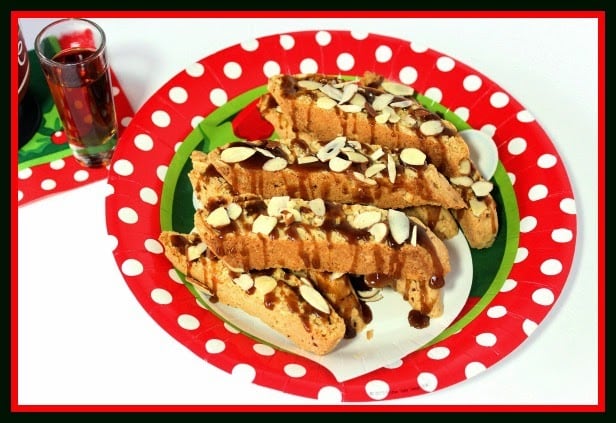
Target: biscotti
[
  {"x": 375, "y": 111},
  {"x": 338, "y": 170},
  {"x": 287, "y": 303}
]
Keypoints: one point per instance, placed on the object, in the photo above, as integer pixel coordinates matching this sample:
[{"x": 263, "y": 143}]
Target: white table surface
[{"x": 84, "y": 339}]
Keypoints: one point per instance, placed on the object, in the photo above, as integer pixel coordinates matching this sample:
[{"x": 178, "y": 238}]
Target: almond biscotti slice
[
  {"x": 324, "y": 236},
  {"x": 375, "y": 111},
  {"x": 288, "y": 304},
  {"x": 337, "y": 170}
]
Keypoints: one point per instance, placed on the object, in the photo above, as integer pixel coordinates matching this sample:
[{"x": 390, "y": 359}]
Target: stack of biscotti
[{"x": 372, "y": 110}]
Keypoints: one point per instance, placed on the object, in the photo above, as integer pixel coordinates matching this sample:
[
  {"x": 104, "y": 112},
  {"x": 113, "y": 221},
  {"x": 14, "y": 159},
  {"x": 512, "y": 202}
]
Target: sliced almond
[
  {"x": 308, "y": 84},
  {"x": 350, "y": 108},
  {"x": 366, "y": 219},
  {"x": 331, "y": 92},
  {"x": 275, "y": 164},
  {"x": 401, "y": 104},
  {"x": 338, "y": 164},
  {"x": 317, "y": 206},
  {"x": 362, "y": 178},
  {"x": 326, "y": 103},
  {"x": 265, "y": 152},
  {"x": 382, "y": 117},
  {"x": 265, "y": 284},
  {"x": 396, "y": 88},
  {"x": 218, "y": 217},
  {"x": 482, "y": 188},
  {"x": 356, "y": 157},
  {"x": 336, "y": 275},
  {"x": 314, "y": 298},
  {"x": 378, "y": 231},
  {"x": 477, "y": 206},
  {"x": 377, "y": 154},
  {"x": 464, "y": 181},
  {"x": 331, "y": 149},
  {"x": 376, "y": 297},
  {"x": 236, "y": 154},
  {"x": 464, "y": 167},
  {"x": 431, "y": 127},
  {"x": 358, "y": 100},
  {"x": 194, "y": 251},
  {"x": 277, "y": 204},
  {"x": 307, "y": 159},
  {"x": 381, "y": 101},
  {"x": 348, "y": 92},
  {"x": 264, "y": 224},
  {"x": 399, "y": 225},
  {"x": 413, "y": 156},
  {"x": 414, "y": 236},
  {"x": 393, "y": 116},
  {"x": 234, "y": 211},
  {"x": 391, "y": 168},
  {"x": 408, "y": 121},
  {"x": 244, "y": 281},
  {"x": 368, "y": 293},
  {"x": 374, "y": 169}
]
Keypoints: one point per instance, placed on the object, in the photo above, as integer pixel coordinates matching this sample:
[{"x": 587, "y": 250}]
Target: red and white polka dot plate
[{"x": 539, "y": 227}]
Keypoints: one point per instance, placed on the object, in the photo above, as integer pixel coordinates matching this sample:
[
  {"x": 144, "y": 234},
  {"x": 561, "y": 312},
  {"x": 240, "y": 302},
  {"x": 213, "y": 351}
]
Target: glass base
[{"x": 29, "y": 118}]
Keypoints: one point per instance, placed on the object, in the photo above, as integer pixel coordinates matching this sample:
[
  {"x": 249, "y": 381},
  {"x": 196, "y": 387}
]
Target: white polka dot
[
  {"x": 489, "y": 129},
  {"x": 377, "y": 389},
  {"x": 143, "y": 142},
  {"x": 195, "y": 70},
  {"x": 308, "y": 65},
  {"x": 418, "y": 48},
  {"x": 148, "y": 195},
  {"x": 517, "y": 145},
  {"x": 499, "y": 100},
  {"x": 445, "y": 64},
  {"x": 359, "y": 35},
  {"x": 527, "y": 224},
  {"x": 438, "y": 353},
  {"x": 173, "y": 275},
  {"x": 230, "y": 328},
  {"x": 271, "y": 68},
  {"x": 434, "y": 93},
  {"x": 48, "y": 184},
  {"x": 81, "y": 175},
  {"x": 472, "y": 83},
  {"x": 383, "y": 54},
  {"x": 427, "y": 381},
  {"x": 24, "y": 173},
  {"x": 123, "y": 167},
  {"x": 509, "y": 285},
  {"x": 132, "y": 267},
  {"x": 244, "y": 373},
  {"x": 345, "y": 61},
  {"x": 153, "y": 246},
  {"x": 520, "y": 255},
  {"x": 496, "y": 312},
  {"x": 232, "y": 70},
  {"x": 394, "y": 364},
  {"x": 57, "y": 164},
  {"x": 537, "y": 192},
  {"x": 126, "y": 121},
  {"x": 161, "y": 296},
  {"x": 177, "y": 145},
  {"x": 215, "y": 346},
  {"x": 543, "y": 296},
  {"x": 178, "y": 95},
  {"x": 528, "y": 326},
  {"x": 486, "y": 339},
  {"x": 562, "y": 235},
  {"x": 295, "y": 370},
  {"x": 463, "y": 113},
  {"x": 287, "y": 42},
  {"x": 218, "y": 96},
  {"x": 263, "y": 349},
  {"x": 567, "y": 205},
  {"x": 546, "y": 161},
  {"x": 525, "y": 116},
  {"x": 161, "y": 172},
  {"x": 195, "y": 121},
  {"x": 115, "y": 91},
  {"x": 330, "y": 394},
  {"x": 128, "y": 215},
  {"x": 511, "y": 176},
  {"x": 109, "y": 189},
  {"x": 323, "y": 38},
  {"x": 20, "y": 195},
  {"x": 188, "y": 322},
  {"x": 551, "y": 267},
  {"x": 408, "y": 75},
  {"x": 112, "y": 241},
  {"x": 161, "y": 118},
  {"x": 473, "y": 369},
  {"x": 250, "y": 45}
]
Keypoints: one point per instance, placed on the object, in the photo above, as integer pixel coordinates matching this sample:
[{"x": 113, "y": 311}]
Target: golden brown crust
[{"x": 282, "y": 308}]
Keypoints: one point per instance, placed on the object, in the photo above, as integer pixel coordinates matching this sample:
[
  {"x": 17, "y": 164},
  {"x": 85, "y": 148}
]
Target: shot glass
[{"x": 73, "y": 56}]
